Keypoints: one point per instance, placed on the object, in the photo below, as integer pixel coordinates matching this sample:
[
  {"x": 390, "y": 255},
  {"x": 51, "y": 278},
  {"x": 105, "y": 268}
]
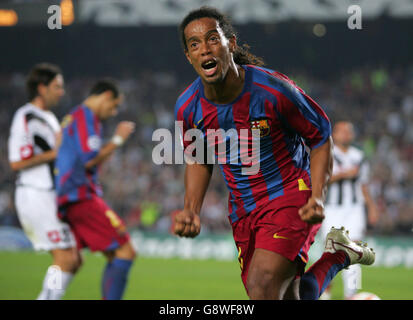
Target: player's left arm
[
  {"x": 122, "y": 132},
  {"x": 321, "y": 167},
  {"x": 302, "y": 114}
]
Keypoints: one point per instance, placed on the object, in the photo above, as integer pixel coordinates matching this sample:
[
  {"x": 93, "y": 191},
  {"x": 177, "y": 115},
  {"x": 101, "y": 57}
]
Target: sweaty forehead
[{"x": 200, "y": 27}]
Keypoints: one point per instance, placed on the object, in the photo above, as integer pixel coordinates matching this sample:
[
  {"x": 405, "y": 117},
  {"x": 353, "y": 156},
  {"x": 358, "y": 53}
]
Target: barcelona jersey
[
  {"x": 81, "y": 142},
  {"x": 289, "y": 123}
]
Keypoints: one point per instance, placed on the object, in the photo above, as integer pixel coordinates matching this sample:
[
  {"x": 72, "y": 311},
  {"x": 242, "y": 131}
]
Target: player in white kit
[
  {"x": 34, "y": 138},
  {"x": 348, "y": 197}
]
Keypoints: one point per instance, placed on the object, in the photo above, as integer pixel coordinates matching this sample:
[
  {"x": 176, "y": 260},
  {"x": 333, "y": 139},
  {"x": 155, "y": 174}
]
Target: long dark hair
[{"x": 241, "y": 54}]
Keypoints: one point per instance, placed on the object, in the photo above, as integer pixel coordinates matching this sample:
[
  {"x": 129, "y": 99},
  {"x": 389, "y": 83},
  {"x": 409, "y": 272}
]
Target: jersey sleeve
[
  {"x": 20, "y": 142},
  {"x": 183, "y": 125},
  {"x": 184, "y": 118},
  {"x": 303, "y": 115},
  {"x": 88, "y": 140}
]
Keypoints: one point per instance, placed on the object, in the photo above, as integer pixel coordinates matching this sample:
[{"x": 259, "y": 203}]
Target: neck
[
  {"x": 92, "y": 104},
  {"x": 227, "y": 90},
  {"x": 39, "y": 103}
]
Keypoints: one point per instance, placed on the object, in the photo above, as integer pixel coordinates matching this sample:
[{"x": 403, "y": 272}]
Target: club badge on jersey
[
  {"x": 68, "y": 119},
  {"x": 262, "y": 125}
]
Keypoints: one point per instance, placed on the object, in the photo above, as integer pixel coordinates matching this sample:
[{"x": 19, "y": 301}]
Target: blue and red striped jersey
[
  {"x": 288, "y": 120},
  {"x": 81, "y": 142}
]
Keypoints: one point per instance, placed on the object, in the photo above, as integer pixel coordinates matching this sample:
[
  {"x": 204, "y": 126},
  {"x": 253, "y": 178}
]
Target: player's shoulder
[
  {"x": 71, "y": 117},
  {"x": 23, "y": 110},
  {"x": 22, "y": 114},
  {"x": 270, "y": 79},
  {"x": 188, "y": 95},
  {"x": 80, "y": 111}
]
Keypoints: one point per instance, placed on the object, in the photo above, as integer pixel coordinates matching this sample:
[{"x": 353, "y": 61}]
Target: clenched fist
[
  {"x": 187, "y": 224},
  {"x": 313, "y": 211},
  {"x": 125, "y": 129}
]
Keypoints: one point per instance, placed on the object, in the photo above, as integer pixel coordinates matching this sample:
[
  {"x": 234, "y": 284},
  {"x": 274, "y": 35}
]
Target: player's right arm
[
  {"x": 344, "y": 175},
  {"x": 33, "y": 161},
  {"x": 21, "y": 146},
  {"x": 187, "y": 221},
  {"x": 122, "y": 133}
]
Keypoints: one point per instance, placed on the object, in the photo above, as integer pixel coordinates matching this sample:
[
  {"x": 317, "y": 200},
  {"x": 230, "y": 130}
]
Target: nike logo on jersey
[{"x": 276, "y": 236}]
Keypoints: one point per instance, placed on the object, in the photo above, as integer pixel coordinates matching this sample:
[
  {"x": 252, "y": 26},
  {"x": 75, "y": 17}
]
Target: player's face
[
  {"x": 343, "y": 133},
  {"x": 110, "y": 105},
  {"x": 53, "y": 92},
  {"x": 209, "y": 50}
]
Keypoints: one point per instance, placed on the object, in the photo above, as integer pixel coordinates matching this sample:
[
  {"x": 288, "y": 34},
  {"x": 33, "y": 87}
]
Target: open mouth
[{"x": 210, "y": 67}]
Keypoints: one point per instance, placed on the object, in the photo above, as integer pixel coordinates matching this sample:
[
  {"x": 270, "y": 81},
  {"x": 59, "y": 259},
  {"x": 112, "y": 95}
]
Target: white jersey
[
  {"x": 348, "y": 192},
  {"x": 33, "y": 131}
]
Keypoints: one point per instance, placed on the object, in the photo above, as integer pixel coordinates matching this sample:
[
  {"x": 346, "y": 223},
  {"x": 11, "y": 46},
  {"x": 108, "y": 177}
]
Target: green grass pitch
[{"x": 21, "y": 275}]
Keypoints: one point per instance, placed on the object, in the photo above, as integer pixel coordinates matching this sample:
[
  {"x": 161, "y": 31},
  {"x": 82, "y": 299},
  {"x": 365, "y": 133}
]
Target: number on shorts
[
  {"x": 240, "y": 260},
  {"x": 114, "y": 219}
]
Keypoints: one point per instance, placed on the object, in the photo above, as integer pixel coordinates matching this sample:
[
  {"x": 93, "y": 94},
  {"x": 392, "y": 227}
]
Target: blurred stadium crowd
[{"x": 378, "y": 100}]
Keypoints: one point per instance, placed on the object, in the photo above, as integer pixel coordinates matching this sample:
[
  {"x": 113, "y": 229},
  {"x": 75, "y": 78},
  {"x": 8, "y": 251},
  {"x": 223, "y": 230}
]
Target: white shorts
[
  {"x": 352, "y": 218},
  {"x": 37, "y": 213}
]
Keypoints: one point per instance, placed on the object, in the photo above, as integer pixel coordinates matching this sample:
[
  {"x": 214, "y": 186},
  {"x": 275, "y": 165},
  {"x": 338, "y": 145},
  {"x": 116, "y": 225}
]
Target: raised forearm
[
  {"x": 197, "y": 177},
  {"x": 321, "y": 166},
  {"x": 36, "y": 160},
  {"x": 336, "y": 177},
  {"x": 103, "y": 154}
]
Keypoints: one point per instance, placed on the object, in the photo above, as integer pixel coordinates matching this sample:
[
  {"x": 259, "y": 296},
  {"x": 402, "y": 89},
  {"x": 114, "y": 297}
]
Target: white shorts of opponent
[
  {"x": 37, "y": 213},
  {"x": 352, "y": 218}
]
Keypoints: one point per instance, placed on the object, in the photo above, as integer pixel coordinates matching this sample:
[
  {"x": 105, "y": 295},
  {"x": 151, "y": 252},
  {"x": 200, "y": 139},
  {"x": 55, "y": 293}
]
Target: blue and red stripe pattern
[
  {"x": 292, "y": 121},
  {"x": 81, "y": 140}
]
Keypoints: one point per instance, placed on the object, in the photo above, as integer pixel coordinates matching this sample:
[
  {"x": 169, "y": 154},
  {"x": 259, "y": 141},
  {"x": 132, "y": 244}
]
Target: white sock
[
  {"x": 55, "y": 283},
  {"x": 351, "y": 280}
]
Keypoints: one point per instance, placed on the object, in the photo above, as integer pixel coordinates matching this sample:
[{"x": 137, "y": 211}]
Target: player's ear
[
  {"x": 187, "y": 56},
  {"x": 41, "y": 89}
]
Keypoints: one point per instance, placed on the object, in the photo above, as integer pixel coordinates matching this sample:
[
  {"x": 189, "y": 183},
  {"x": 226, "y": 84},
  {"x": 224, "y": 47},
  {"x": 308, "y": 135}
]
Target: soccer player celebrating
[
  {"x": 348, "y": 194},
  {"x": 276, "y": 212},
  {"x": 80, "y": 201},
  {"x": 34, "y": 137}
]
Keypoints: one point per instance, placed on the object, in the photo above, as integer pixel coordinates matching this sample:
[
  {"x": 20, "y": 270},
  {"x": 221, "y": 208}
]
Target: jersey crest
[{"x": 262, "y": 125}]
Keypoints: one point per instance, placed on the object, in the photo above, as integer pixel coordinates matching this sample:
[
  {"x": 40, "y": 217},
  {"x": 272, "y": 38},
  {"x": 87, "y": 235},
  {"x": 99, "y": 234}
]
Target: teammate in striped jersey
[
  {"x": 275, "y": 212},
  {"x": 80, "y": 201},
  {"x": 33, "y": 141},
  {"x": 348, "y": 195}
]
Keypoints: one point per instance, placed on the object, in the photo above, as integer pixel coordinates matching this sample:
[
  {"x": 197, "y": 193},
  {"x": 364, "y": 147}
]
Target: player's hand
[
  {"x": 313, "y": 211},
  {"x": 187, "y": 224},
  {"x": 125, "y": 129}
]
